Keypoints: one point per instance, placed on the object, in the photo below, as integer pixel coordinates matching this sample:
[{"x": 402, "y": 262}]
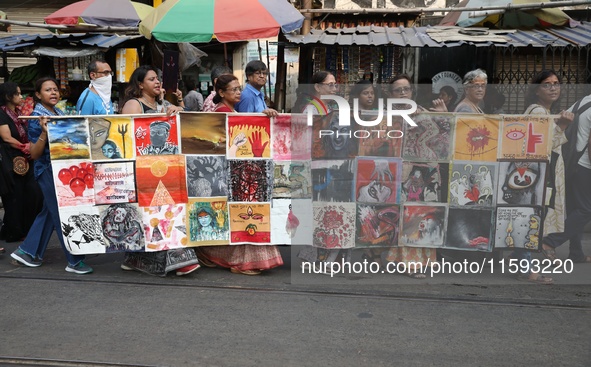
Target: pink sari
[{"x": 242, "y": 257}]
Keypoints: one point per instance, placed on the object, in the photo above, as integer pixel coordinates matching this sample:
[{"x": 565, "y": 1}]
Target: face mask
[{"x": 103, "y": 86}]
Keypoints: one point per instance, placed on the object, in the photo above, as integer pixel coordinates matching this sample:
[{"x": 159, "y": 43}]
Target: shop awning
[
  {"x": 21, "y": 41},
  {"x": 452, "y": 37}
]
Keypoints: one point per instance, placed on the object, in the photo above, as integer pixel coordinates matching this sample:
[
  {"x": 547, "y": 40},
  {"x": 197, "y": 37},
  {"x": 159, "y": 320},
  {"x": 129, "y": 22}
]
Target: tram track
[
  {"x": 40, "y": 362},
  {"x": 452, "y": 299}
]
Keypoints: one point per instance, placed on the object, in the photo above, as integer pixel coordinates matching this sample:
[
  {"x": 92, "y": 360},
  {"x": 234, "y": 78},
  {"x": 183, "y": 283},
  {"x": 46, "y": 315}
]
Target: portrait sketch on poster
[
  {"x": 207, "y": 221},
  {"x": 122, "y": 227},
  {"x": 336, "y": 141},
  {"x": 521, "y": 183},
  {"x": 470, "y": 228},
  {"x": 378, "y": 180},
  {"x": 473, "y": 183},
  {"x": 518, "y": 227},
  {"x": 82, "y": 230},
  {"x": 377, "y": 225},
  {"x": 425, "y": 182},
  {"x": 156, "y": 135},
  {"x": 111, "y": 137}
]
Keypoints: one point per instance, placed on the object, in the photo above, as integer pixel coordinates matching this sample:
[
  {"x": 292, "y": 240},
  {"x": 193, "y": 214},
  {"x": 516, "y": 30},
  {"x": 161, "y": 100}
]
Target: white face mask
[{"x": 103, "y": 86}]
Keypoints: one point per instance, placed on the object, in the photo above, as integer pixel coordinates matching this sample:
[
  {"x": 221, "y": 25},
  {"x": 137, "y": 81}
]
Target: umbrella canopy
[
  {"x": 228, "y": 20},
  {"x": 515, "y": 18},
  {"x": 104, "y": 13}
]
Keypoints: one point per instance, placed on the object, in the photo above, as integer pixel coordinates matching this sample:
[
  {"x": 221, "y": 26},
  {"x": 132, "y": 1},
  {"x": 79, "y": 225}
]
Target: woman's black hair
[
  {"x": 531, "y": 97},
  {"x": 39, "y": 84},
  {"x": 358, "y": 88},
  {"x": 7, "y": 91},
  {"x": 221, "y": 84},
  {"x": 133, "y": 90},
  {"x": 450, "y": 91}
]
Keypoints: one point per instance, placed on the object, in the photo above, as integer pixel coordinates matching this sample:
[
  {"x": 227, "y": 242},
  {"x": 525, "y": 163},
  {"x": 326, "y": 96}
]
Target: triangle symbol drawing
[{"x": 161, "y": 196}]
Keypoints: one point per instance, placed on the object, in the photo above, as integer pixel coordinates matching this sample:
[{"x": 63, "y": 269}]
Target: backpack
[{"x": 570, "y": 154}]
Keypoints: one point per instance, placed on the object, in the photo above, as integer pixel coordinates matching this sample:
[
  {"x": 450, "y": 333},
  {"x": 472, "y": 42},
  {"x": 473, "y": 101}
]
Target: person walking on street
[
  {"x": 32, "y": 250},
  {"x": 96, "y": 99}
]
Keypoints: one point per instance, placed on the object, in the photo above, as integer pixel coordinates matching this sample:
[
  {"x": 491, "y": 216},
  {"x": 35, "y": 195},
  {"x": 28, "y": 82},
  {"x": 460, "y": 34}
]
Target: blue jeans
[
  {"x": 47, "y": 220},
  {"x": 578, "y": 214}
]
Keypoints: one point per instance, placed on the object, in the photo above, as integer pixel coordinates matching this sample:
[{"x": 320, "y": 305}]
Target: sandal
[
  {"x": 2, "y": 250},
  {"x": 549, "y": 252},
  {"x": 416, "y": 275},
  {"x": 539, "y": 279},
  {"x": 205, "y": 262},
  {"x": 245, "y": 272},
  {"x": 585, "y": 260}
]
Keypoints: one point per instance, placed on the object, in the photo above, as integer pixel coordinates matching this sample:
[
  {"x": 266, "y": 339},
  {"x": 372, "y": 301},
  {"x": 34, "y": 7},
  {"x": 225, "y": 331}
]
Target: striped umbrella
[
  {"x": 104, "y": 13},
  {"x": 228, "y": 20}
]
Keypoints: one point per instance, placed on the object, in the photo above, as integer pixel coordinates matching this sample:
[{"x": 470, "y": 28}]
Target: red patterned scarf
[{"x": 19, "y": 123}]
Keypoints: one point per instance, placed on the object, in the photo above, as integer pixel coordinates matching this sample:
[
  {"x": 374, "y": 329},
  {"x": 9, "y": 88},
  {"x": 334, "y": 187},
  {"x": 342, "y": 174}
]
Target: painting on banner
[
  {"x": 203, "y": 133},
  {"x": 526, "y": 137},
  {"x": 378, "y": 180},
  {"x": 291, "y": 222},
  {"x": 161, "y": 180},
  {"x": 250, "y": 223},
  {"x": 74, "y": 182},
  {"x": 292, "y": 179},
  {"x": 114, "y": 182},
  {"x": 156, "y": 135},
  {"x": 423, "y": 225},
  {"x": 248, "y": 137},
  {"x": 476, "y": 137},
  {"x": 518, "y": 227},
  {"x": 207, "y": 221},
  {"x": 431, "y": 140},
  {"x": 521, "y": 182},
  {"x": 334, "y": 225},
  {"x": 122, "y": 227},
  {"x": 333, "y": 180},
  {"x": 207, "y": 176},
  {"x": 68, "y": 139},
  {"x": 470, "y": 229},
  {"x": 82, "y": 230},
  {"x": 473, "y": 183},
  {"x": 250, "y": 180},
  {"x": 291, "y": 138},
  {"x": 377, "y": 225},
  {"x": 164, "y": 227},
  {"x": 388, "y": 143},
  {"x": 425, "y": 182},
  {"x": 111, "y": 137},
  {"x": 330, "y": 140}
]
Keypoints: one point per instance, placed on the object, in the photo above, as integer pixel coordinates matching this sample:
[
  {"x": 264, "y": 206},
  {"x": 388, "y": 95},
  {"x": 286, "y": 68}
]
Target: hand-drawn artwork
[
  {"x": 431, "y": 140},
  {"x": 334, "y": 225},
  {"x": 203, "y": 133},
  {"x": 82, "y": 231},
  {"x": 74, "y": 182},
  {"x": 250, "y": 223},
  {"x": 207, "y": 176},
  {"x": 292, "y": 179},
  {"x": 291, "y": 222},
  {"x": 473, "y": 183},
  {"x": 164, "y": 227},
  {"x": 525, "y": 137},
  {"x": 476, "y": 137},
  {"x": 208, "y": 222},
  {"x": 250, "y": 180},
  {"x": 291, "y": 138},
  {"x": 111, "y": 137},
  {"x": 377, "y": 225},
  {"x": 122, "y": 227},
  {"x": 161, "y": 180},
  {"x": 114, "y": 182},
  {"x": 378, "y": 180},
  {"x": 156, "y": 135},
  {"x": 423, "y": 225},
  {"x": 425, "y": 182},
  {"x": 518, "y": 227},
  {"x": 386, "y": 143},
  {"x": 469, "y": 229},
  {"x": 521, "y": 183},
  {"x": 68, "y": 139},
  {"x": 248, "y": 137},
  {"x": 333, "y": 180},
  {"x": 330, "y": 140}
]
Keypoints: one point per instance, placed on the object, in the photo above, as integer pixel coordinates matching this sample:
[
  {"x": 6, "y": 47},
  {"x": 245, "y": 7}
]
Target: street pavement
[{"x": 285, "y": 318}]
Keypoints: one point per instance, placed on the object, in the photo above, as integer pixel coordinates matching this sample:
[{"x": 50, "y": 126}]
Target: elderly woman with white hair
[{"x": 474, "y": 90}]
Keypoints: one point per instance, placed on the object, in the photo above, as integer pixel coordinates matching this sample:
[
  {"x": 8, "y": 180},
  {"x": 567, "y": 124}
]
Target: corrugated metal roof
[
  {"x": 419, "y": 37},
  {"x": 19, "y": 41}
]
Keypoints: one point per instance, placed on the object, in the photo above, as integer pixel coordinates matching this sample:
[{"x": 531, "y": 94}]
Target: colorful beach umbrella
[
  {"x": 515, "y": 18},
  {"x": 104, "y": 13},
  {"x": 199, "y": 21}
]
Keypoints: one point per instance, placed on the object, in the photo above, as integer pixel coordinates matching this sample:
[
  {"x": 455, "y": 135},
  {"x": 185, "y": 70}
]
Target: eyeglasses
[
  {"x": 330, "y": 85},
  {"x": 550, "y": 85},
  {"x": 234, "y": 90},
  {"x": 261, "y": 73},
  {"x": 402, "y": 90},
  {"x": 476, "y": 86},
  {"x": 105, "y": 72}
]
